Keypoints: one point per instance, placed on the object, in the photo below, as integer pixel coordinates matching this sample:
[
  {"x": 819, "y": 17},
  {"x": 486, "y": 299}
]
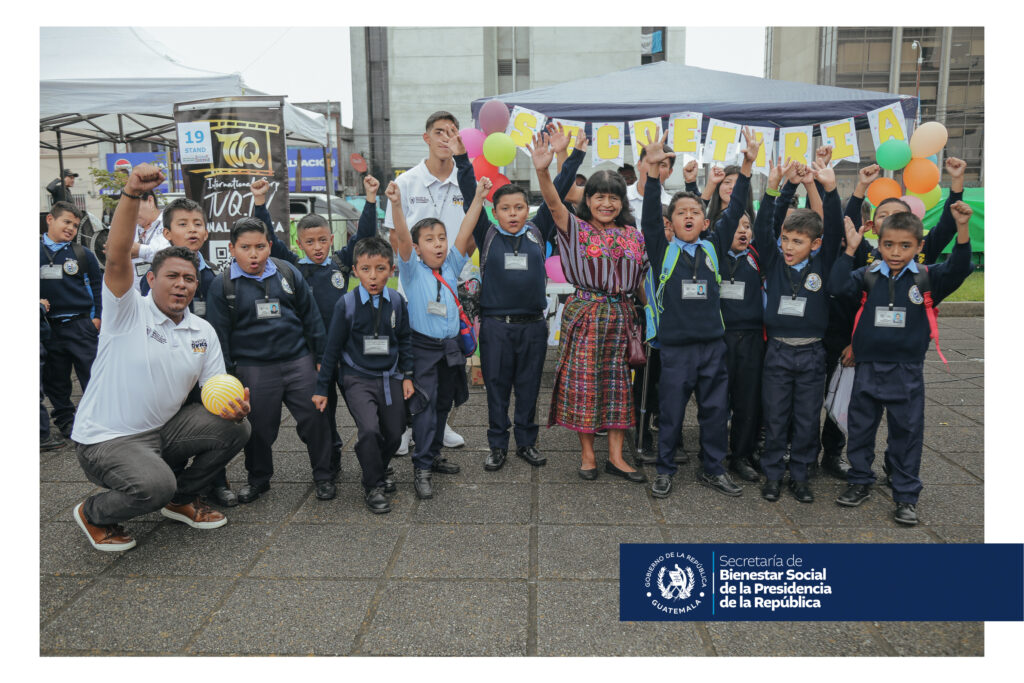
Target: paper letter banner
[
  {"x": 607, "y": 144},
  {"x": 684, "y": 135},
  {"x": 523, "y": 124},
  {"x": 572, "y": 129},
  {"x": 720, "y": 135},
  {"x": 643, "y": 132},
  {"x": 767, "y": 137},
  {"x": 795, "y": 143},
  {"x": 887, "y": 123},
  {"x": 842, "y": 136}
]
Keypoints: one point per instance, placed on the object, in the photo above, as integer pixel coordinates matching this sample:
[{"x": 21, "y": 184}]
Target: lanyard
[
  {"x": 892, "y": 291},
  {"x": 437, "y": 275},
  {"x": 733, "y": 267},
  {"x": 692, "y": 262},
  {"x": 143, "y": 239},
  {"x": 266, "y": 289},
  {"x": 796, "y": 287},
  {"x": 49, "y": 253},
  {"x": 519, "y": 241},
  {"x": 376, "y": 316}
]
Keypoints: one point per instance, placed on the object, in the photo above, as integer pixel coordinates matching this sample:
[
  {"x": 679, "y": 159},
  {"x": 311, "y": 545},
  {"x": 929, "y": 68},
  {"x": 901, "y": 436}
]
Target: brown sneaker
[
  {"x": 110, "y": 538},
  {"x": 196, "y": 514}
]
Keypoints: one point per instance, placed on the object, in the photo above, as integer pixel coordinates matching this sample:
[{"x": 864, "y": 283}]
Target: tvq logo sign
[{"x": 239, "y": 151}]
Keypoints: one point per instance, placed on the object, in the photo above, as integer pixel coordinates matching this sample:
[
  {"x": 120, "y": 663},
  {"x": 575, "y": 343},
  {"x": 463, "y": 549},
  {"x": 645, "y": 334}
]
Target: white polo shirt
[
  {"x": 144, "y": 369},
  {"x": 424, "y": 196},
  {"x": 636, "y": 201}
]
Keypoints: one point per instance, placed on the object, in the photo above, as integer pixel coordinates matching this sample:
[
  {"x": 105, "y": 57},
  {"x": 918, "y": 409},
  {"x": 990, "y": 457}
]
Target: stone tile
[
  {"x": 949, "y": 395},
  {"x": 617, "y": 502},
  {"x": 448, "y": 618},
  {"x": 824, "y": 512},
  {"x": 175, "y": 549},
  {"x": 563, "y": 467},
  {"x": 589, "y": 552},
  {"x": 731, "y": 534},
  {"x": 955, "y": 439},
  {"x": 290, "y": 467},
  {"x": 936, "y": 469},
  {"x": 972, "y": 462},
  {"x": 960, "y": 534},
  {"x": 137, "y": 615},
  {"x": 691, "y": 503},
  {"x": 941, "y": 416},
  {"x": 471, "y": 464},
  {"x": 474, "y": 503},
  {"x": 952, "y": 505},
  {"x": 793, "y": 639},
  {"x": 58, "y": 500},
  {"x": 61, "y": 466},
  {"x": 287, "y": 617},
  {"x": 974, "y": 413},
  {"x": 895, "y": 534},
  {"x": 581, "y": 619},
  {"x": 55, "y": 591},
  {"x": 272, "y": 507},
  {"x": 464, "y": 551},
  {"x": 64, "y": 550},
  {"x": 327, "y": 551},
  {"x": 348, "y": 508},
  {"x": 934, "y": 639}
]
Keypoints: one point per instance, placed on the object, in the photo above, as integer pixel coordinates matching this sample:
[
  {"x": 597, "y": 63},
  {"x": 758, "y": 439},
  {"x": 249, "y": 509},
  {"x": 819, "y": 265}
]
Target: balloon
[
  {"x": 934, "y": 159},
  {"x": 893, "y": 155},
  {"x": 920, "y": 176},
  {"x": 499, "y": 149},
  {"x": 497, "y": 182},
  {"x": 915, "y": 204},
  {"x": 882, "y": 189},
  {"x": 493, "y": 117},
  {"x": 928, "y": 139},
  {"x": 473, "y": 138},
  {"x": 929, "y": 199},
  {"x": 553, "y": 267},
  {"x": 220, "y": 389},
  {"x": 483, "y": 169}
]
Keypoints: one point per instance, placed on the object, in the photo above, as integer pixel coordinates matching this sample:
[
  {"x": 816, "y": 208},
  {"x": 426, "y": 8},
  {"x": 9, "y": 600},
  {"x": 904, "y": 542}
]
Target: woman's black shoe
[{"x": 636, "y": 476}]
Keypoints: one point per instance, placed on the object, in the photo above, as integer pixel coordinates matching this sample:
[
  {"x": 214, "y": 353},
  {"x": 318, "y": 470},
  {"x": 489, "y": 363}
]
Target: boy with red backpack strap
[{"x": 890, "y": 336}]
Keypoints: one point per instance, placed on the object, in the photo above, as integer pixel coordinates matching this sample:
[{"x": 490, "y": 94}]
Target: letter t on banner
[
  {"x": 523, "y": 124},
  {"x": 684, "y": 135},
  {"x": 795, "y": 143},
  {"x": 643, "y": 132},
  {"x": 608, "y": 143},
  {"x": 720, "y": 135},
  {"x": 572, "y": 129},
  {"x": 841, "y": 135},
  {"x": 765, "y": 135}
]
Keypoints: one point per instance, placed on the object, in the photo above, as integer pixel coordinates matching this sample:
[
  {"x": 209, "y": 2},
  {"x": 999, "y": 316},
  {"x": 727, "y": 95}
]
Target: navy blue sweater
[
  {"x": 328, "y": 282},
  {"x": 810, "y": 281},
  {"x": 78, "y": 294},
  {"x": 345, "y": 338},
  {"x": 252, "y": 341},
  {"x": 748, "y": 313},
  {"x": 893, "y": 344}
]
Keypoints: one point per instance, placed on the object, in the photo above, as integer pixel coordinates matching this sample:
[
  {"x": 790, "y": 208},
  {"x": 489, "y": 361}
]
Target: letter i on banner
[
  {"x": 684, "y": 135},
  {"x": 841, "y": 135},
  {"x": 572, "y": 129},
  {"x": 795, "y": 143},
  {"x": 523, "y": 124},
  {"x": 887, "y": 123},
  {"x": 720, "y": 135},
  {"x": 766, "y": 136},
  {"x": 607, "y": 144},
  {"x": 643, "y": 132}
]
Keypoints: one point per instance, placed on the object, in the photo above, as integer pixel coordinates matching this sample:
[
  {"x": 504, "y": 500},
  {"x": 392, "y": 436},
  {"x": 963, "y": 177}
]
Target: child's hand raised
[
  {"x": 955, "y": 167},
  {"x": 716, "y": 175},
  {"x": 869, "y": 174},
  {"x": 853, "y": 235},
  {"x": 371, "y": 185},
  {"x": 825, "y": 174},
  {"x": 962, "y": 213},
  {"x": 483, "y": 187},
  {"x": 654, "y": 152},
  {"x": 753, "y": 145},
  {"x": 581, "y": 140},
  {"x": 806, "y": 174},
  {"x": 541, "y": 151},
  {"x": 259, "y": 189},
  {"x": 793, "y": 171},
  {"x": 824, "y": 154},
  {"x": 558, "y": 137},
  {"x": 392, "y": 192},
  {"x": 690, "y": 171}
]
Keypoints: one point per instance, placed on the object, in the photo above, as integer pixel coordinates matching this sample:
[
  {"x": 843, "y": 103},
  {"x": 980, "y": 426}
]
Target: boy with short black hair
[
  {"x": 184, "y": 225},
  {"x": 890, "y": 338},
  {"x": 371, "y": 339},
  {"x": 71, "y": 281}
]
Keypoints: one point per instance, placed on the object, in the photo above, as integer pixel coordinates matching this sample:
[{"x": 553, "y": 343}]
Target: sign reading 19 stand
[{"x": 821, "y": 582}]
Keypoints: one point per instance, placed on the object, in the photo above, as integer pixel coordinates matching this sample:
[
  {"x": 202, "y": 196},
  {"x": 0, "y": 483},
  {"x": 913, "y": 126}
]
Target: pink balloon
[
  {"x": 915, "y": 204},
  {"x": 553, "y": 267},
  {"x": 493, "y": 117},
  {"x": 473, "y": 138}
]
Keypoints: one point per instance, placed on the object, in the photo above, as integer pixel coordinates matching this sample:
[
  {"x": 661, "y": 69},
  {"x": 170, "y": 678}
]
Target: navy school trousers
[
  {"x": 793, "y": 391},
  {"x": 512, "y": 357},
  {"x": 744, "y": 360},
  {"x": 379, "y": 426}
]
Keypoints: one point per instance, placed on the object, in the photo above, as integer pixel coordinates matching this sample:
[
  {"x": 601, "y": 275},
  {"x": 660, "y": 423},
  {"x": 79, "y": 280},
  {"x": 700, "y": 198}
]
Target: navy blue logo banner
[{"x": 821, "y": 582}]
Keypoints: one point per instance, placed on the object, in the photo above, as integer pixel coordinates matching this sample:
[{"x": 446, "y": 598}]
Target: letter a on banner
[
  {"x": 720, "y": 135},
  {"x": 842, "y": 136},
  {"x": 572, "y": 129},
  {"x": 766, "y": 136},
  {"x": 607, "y": 144},
  {"x": 523, "y": 124},
  {"x": 887, "y": 123},
  {"x": 795, "y": 143},
  {"x": 643, "y": 132},
  {"x": 684, "y": 135}
]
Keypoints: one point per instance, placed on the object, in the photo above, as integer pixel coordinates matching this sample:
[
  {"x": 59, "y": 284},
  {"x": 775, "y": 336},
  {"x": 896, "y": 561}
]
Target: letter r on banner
[{"x": 796, "y": 144}]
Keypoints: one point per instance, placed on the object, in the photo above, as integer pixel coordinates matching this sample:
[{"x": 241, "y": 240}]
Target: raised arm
[
  {"x": 464, "y": 240},
  {"x": 542, "y": 155},
  {"x": 725, "y": 226},
  {"x": 843, "y": 281},
  {"x": 468, "y": 185},
  {"x": 690, "y": 176},
  {"x": 260, "y": 189},
  {"x": 119, "y": 275},
  {"x": 652, "y": 222},
  {"x": 563, "y": 182},
  {"x": 367, "y": 226},
  {"x": 716, "y": 174},
  {"x": 790, "y": 180},
  {"x": 952, "y": 272},
  {"x": 833, "y": 223},
  {"x": 401, "y": 239},
  {"x": 939, "y": 237}
]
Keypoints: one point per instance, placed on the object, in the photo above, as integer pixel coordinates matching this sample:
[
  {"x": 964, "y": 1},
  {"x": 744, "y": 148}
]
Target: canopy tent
[
  {"x": 663, "y": 88},
  {"x": 118, "y": 85}
]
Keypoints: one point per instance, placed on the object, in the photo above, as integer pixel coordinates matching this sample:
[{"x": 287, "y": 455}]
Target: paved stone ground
[{"x": 519, "y": 562}]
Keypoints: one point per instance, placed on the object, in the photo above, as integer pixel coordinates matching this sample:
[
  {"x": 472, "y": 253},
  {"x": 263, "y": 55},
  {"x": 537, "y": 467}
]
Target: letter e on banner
[
  {"x": 887, "y": 123},
  {"x": 643, "y": 132},
  {"x": 523, "y": 124},
  {"x": 608, "y": 143},
  {"x": 796, "y": 143},
  {"x": 684, "y": 134},
  {"x": 720, "y": 135},
  {"x": 841, "y": 135}
]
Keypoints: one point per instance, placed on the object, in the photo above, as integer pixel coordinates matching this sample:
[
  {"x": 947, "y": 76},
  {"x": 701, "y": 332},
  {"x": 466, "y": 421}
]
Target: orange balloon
[
  {"x": 920, "y": 176},
  {"x": 882, "y": 189}
]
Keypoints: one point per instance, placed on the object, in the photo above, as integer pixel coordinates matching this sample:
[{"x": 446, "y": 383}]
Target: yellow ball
[{"x": 219, "y": 390}]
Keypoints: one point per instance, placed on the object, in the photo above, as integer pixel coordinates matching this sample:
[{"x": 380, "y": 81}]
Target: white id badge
[
  {"x": 199, "y": 307},
  {"x": 437, "y": 308},
  {"x": 791, "y": 306},
  {"x": 514, "y": 262},
  {"x": 732, "y": 290},
  {"x": 897, "y": 317},
  {"x": 52, "y": 271},
  {"x": 695, "y": 290},
  {"x": 376, "y": 346},
  {"x": 142, "y": 267},
  {"x": 268, "y": 308}
]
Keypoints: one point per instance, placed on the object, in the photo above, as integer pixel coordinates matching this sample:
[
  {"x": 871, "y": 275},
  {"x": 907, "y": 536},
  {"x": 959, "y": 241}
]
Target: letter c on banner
[
  {"x": 607, "y": 142},
  {"x": 522, "y": 128},
  {"x": 837, "y": 133}
]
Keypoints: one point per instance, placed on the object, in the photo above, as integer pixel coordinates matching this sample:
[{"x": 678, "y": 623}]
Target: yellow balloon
[
  {"x": 219, "y": 390},
  {"x": 930, "y": 198}
]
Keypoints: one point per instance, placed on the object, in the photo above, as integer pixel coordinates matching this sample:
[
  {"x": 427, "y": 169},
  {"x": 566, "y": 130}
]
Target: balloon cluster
[
  {"x": 919, "y": 162},
  {"x": 488, "y": 146}
]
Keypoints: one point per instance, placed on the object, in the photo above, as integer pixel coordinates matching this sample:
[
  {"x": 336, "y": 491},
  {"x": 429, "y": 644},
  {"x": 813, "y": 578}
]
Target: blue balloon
[{"x": 934, "y": 159}]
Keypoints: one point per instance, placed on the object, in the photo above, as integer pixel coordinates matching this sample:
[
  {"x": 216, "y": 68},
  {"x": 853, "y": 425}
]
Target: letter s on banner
[{"x": 523, "y": 124}]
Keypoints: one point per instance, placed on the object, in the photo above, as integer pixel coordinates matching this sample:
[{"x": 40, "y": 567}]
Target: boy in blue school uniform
[
  {"x": 685, "y": 319},
  {"x": 371, "y": 339},
  {"x": 70, "y": 280},
  {"x": 429, "y": 271},
  {"x": 272, "y": 337},
  {"x": 513, "y": 332},
  {"x": 184, "y": 225},
  {"x": 796, "y": 318},
  {"x": 325, "y": 272},
  {"x": 890, "y": 337}
]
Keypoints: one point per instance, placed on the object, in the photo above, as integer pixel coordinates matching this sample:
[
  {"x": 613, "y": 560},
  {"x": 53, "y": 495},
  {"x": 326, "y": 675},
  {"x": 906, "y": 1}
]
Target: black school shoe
[
  {"x": 389, "y": 485},
  {"x": 52, "y": 442},
  {"x": 661, "y": 486},
  {"x": 906, "y": 513},
  {"x": 531, "y": 455},
  {"x": 496, "y": 459},
  {"x": 743, "y": 469},
  {"x": 325, "y": 490},
  {"x": 854, "y": 495},
  {"x": 442, "y": 466},
  {"x": 223, "y": 496},
  {"x": 376, "y": 501},
  {"x": 801, "y": 490},
  {"x": 771, "y": 490},
  {"x": 719, "y": 482},
  {"x": 835, "y": 466},
  {"x": 248, "y": 493},
  {"x": 421, "y": 482}
]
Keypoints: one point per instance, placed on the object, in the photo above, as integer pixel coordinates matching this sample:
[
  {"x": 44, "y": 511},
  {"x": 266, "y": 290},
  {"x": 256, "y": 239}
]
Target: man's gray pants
[{"x": 139, "y": 469}]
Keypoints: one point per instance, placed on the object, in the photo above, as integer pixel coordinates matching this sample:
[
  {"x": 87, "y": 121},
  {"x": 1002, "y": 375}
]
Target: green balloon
[
  {"x": 893, "y": 155},
  {"x": 499, "y": 149}
]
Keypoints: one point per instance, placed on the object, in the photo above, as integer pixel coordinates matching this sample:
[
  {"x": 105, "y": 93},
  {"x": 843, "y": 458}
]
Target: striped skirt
[{"x": 592, "y": 382}]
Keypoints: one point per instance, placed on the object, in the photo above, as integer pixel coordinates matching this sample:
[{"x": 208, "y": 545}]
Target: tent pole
[{"x": 60, "y": 164}]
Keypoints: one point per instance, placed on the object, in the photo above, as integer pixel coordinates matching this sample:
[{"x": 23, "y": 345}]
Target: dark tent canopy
[{"x": 664, "y": 88}]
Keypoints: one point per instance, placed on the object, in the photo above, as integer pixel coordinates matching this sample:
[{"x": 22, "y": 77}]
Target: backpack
[
  {"x": 654, "y": 308},
  {"x": 493, "y": 231},
  {"x": 283, "y": 271},
  {"x": 924, "y": 285}
]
